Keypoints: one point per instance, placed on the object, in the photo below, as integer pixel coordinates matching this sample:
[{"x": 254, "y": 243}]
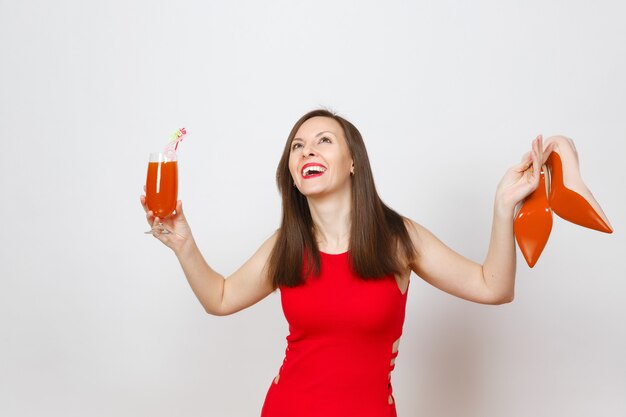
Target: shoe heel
[
  {"x": 570, "y": 205},
  {"x": 533, "y": 223}
]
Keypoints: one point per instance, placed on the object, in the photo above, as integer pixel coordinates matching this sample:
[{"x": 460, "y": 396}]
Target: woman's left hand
[{"x": 523, "y": 178}]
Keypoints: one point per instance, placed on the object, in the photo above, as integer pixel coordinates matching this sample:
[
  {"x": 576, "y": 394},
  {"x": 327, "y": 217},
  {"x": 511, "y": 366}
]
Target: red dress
[{"x": 339, "y": 354}]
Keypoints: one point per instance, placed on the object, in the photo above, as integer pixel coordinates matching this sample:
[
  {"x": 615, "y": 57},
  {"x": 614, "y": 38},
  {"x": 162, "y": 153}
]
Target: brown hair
[{"x": 375, "y": 232}]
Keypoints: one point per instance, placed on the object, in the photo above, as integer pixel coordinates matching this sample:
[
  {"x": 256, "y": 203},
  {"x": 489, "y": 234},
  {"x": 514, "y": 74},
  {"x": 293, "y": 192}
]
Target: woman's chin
[{"x": 312, "y": 192}]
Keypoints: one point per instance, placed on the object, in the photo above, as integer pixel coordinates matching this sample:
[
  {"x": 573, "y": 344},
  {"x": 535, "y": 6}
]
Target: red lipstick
[{"x": 312, "y": 170}]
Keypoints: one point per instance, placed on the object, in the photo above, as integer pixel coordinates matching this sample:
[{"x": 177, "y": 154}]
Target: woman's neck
[{"x": 331, "y": 217}]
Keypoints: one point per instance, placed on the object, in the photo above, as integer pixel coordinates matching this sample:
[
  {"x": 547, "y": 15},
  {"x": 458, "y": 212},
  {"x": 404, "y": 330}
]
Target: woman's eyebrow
[
  {"x": 317, "y": 136},
  {"x": 325, "y": 131}
]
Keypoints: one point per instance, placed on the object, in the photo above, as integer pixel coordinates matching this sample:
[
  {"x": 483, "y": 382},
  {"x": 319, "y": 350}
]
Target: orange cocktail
[{"x": 162, "y": 185}]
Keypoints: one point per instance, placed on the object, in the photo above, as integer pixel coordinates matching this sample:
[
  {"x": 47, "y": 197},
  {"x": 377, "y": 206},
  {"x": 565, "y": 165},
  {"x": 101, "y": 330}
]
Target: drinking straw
[
  {"x": 175, "y": 139},
  {"x": 178, "y": 136}
]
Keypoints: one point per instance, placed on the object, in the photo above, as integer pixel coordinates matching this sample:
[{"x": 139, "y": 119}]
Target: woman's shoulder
[
  {"x": 407, "y": 253},
  {"x": 421, "y": 238},
  {"x": 414, "y": 229}
]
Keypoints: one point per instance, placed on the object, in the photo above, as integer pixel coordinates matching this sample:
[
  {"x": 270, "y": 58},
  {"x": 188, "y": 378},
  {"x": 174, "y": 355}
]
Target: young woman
[{"x": 342, "y": 261}]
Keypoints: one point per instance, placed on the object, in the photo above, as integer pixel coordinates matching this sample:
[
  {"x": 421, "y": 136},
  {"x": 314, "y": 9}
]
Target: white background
[{"x": 96, "y": 318}]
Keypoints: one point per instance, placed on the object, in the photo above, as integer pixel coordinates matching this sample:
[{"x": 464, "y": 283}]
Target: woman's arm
[
  {"x": 493, "y": 282},
  {"x": 218, "y": 295}
]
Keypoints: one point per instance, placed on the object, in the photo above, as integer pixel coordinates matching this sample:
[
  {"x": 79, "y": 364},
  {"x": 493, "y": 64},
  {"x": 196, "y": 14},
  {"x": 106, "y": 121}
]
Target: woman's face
[{"x": 320, "y": 162}]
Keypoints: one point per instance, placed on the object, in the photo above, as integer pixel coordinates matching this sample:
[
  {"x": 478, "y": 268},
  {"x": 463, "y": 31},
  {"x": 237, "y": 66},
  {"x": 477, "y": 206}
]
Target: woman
[{"x": 342, "y": 261}]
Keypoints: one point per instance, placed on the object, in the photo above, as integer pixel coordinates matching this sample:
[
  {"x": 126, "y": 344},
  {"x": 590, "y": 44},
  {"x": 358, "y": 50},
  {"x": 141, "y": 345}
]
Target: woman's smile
[{"x": 312, "y": 170}]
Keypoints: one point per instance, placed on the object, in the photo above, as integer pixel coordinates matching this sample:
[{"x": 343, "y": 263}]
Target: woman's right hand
[
  {"x": 522, "y": 179},
  {"x": 180, "y": 232}
]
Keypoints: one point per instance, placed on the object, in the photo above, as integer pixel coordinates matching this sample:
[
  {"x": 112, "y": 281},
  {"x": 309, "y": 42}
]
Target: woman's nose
[{"x": 308, "y": 151}]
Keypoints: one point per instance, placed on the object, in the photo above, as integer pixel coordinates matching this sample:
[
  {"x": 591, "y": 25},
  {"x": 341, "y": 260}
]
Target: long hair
[{"x": 376, "y": 231}]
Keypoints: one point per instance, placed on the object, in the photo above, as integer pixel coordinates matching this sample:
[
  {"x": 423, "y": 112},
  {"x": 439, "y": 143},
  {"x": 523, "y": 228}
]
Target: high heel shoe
[
  {"x": 533, "y": 223},
  {"x": 579, "y": 207}
]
